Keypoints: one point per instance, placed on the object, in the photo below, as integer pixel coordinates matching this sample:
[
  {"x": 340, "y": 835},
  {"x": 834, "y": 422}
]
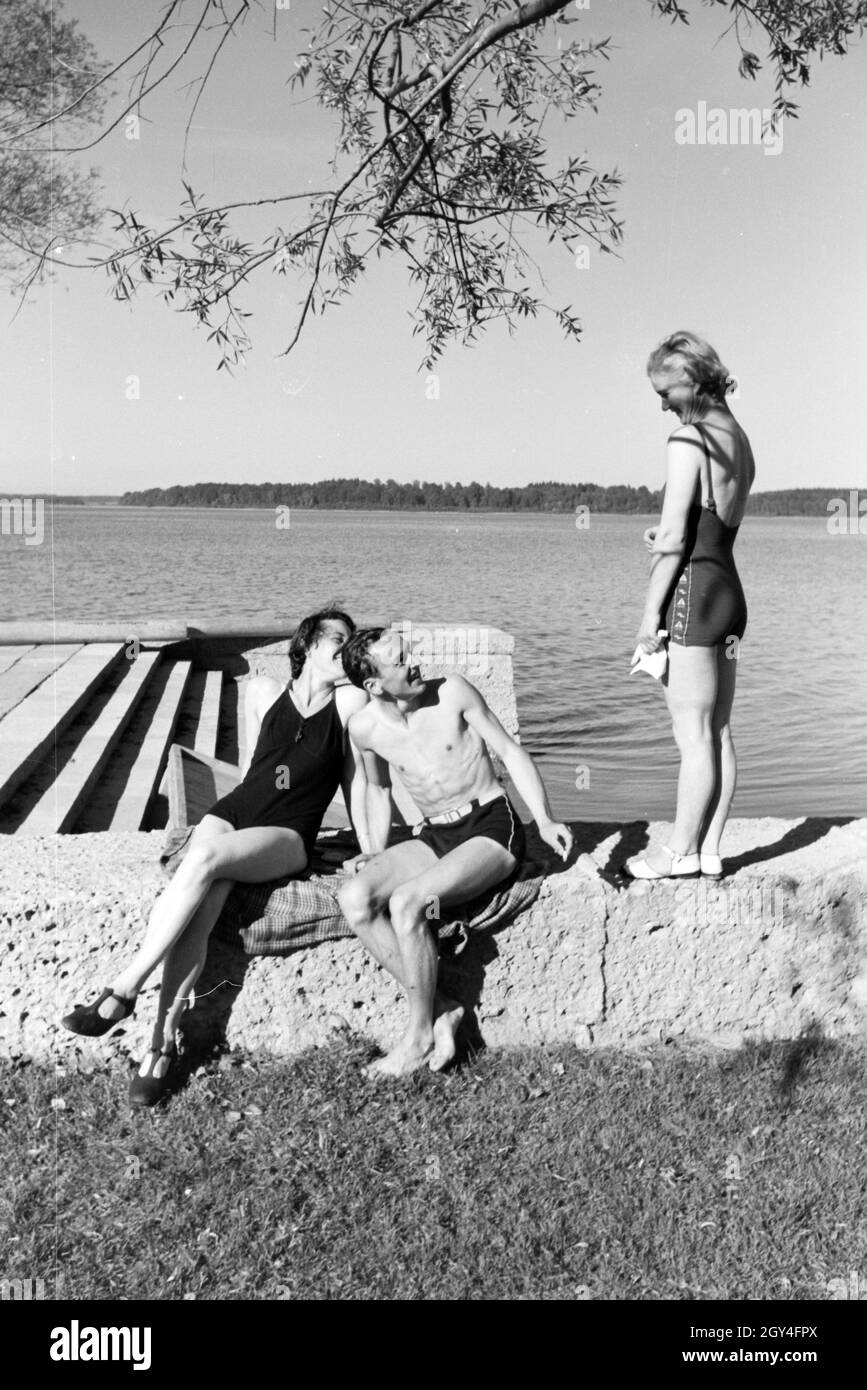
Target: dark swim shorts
[{"x": 496, "y": 820}]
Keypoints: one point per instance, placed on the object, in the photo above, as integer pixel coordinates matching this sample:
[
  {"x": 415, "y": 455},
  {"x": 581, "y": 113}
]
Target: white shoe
[
  {"x": 711, "y": 865},
  {"x": 682, "y": 866}
]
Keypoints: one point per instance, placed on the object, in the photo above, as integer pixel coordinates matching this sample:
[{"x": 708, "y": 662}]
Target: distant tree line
[{"x": 364, "y": 495}]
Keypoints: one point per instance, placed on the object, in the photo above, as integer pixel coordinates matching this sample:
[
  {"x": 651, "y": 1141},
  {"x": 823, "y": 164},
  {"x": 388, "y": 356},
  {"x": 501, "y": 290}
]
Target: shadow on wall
[
  {"x": 634, "y": 838},
  {"x": 811, "y": 830}
]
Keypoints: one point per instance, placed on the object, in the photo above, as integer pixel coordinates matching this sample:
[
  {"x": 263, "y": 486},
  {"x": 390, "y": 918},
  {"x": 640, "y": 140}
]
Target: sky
[{"x": 762, "y": 253}]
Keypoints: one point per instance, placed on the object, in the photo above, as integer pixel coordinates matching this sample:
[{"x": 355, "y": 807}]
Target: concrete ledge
[{"x": 769, "y": 953}]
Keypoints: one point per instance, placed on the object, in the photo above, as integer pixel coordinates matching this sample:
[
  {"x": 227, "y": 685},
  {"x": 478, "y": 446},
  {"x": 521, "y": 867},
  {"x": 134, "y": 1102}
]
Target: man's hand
[
  {"x": 649, "y": 537},
  {"x": 354, "y": 866},
  {"x": 558, "y": 836}
]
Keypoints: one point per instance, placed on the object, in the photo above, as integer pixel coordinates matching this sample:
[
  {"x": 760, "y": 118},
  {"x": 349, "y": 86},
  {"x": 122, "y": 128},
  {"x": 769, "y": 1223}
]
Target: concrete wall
[{"x": 769, "y": 953}]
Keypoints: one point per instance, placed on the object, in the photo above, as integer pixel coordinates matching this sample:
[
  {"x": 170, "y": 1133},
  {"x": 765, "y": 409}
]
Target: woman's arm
[{"x": 684, "y": 456}]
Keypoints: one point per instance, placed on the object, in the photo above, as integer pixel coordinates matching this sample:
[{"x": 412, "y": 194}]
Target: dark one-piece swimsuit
[
  {"x": 296, "y": 770},
  {"x": 706, "y": 603}
]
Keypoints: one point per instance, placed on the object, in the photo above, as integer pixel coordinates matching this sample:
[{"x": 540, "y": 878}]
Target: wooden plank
[
  {"x": 9, "y": 655},
  {"x": 209, "y": 715},
  {"x": 145, "y": 775},
  {"x": 22, "y": 630},
  {"x": 173, "y": 786},
  {"x": 57, "y": 809},
  {"x": 195, "y": 782},
  {"x": 241, "y": 719},
  {"x": 30, "y": 671},
  {"x": 28, "y": 733}
]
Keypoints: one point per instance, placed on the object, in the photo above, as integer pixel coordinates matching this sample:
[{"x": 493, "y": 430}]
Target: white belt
[{"x": 459, "y": 812}]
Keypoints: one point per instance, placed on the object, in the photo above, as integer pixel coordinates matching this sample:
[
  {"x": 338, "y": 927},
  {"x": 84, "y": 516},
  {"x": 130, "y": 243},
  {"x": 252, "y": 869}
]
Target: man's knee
[
  {"x": 406, "y": 907},
  {"x": 356, "y": 901}
]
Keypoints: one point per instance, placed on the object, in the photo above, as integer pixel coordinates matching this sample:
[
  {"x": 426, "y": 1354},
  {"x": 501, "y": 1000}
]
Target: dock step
[
  {"x": 28, "y": 733},
  {"x": 132, "y": 807},
  {"x": 9, "y": 655},
  {"x": 61, "y": 803},
  {"x": 209, "y": 715},
  {"x": 30, "y": 670}
]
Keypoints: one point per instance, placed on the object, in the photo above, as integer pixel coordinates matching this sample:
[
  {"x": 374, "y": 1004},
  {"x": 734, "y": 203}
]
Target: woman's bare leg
[
  {"x": 691, "y": 693},
  {"x": 208, "y": 827},
  {"x": 182, "y": 968},
  {"x": 243, "y": 856},
  {"x": 724, "y": 750}
]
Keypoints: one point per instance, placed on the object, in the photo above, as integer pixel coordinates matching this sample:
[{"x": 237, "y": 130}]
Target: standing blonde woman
[{"x": 695, "y": 594}]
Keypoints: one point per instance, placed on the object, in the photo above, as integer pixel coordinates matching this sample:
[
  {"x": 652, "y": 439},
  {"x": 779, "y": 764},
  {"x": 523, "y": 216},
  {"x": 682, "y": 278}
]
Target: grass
[{"x": 530, "y": 1174}]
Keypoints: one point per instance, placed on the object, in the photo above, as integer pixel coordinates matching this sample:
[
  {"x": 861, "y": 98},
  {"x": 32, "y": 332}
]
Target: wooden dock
[
  {"x": 89, "y": 714},
  {"x": 87, "y": 720}
]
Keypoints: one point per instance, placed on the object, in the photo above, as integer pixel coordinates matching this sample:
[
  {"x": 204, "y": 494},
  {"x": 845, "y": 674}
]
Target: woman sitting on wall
[{"x": 297, "y": 754}]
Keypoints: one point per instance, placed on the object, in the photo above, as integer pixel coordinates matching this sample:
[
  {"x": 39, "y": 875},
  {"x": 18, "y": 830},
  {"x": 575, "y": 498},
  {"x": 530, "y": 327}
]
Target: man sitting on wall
[{"x": 433, "y": 733}]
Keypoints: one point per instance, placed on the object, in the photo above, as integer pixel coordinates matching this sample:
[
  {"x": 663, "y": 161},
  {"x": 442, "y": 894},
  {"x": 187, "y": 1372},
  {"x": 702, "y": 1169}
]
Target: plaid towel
[{"x": 289, "y": 914}]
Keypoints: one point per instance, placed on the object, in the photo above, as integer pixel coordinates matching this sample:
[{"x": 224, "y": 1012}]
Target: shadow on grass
[
  {"x": 796, "y": 1055},
  {"x": 539, "y": 1173},
  {"x": 203, "y": 1030}
]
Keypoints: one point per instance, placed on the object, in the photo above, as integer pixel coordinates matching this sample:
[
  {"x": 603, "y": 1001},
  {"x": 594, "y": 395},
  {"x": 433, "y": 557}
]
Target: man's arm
[
  {"x": 379, "y": 807},
  {"x": 369, "y": 794},
  {"x": 519, "y": 765}
]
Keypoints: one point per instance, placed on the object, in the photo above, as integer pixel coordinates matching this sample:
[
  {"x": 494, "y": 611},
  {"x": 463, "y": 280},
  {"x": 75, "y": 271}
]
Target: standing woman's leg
[
  {"x": 691, "y": 693},
  {"x": 724, "y": 750}
]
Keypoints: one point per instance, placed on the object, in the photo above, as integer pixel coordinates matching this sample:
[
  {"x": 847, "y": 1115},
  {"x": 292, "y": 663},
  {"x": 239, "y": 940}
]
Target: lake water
[{"x": 572, "y": 599}]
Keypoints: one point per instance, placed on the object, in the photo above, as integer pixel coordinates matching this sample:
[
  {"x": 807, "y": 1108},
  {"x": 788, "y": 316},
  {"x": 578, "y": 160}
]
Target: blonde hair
[{"x": 700, "y": 363}]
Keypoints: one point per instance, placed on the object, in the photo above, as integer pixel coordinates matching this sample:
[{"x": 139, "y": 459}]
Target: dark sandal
[
  {"x": 145, "y": 1091},
  {"x": 89, "y": 1022}
]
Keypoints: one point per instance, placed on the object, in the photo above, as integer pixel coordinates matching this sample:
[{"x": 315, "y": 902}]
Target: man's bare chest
[{"x": 423, "y": 740}]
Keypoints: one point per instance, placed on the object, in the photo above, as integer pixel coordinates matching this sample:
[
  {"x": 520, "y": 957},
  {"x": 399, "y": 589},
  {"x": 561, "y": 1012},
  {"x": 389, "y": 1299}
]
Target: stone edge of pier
[{"x": 769, "y": 953}]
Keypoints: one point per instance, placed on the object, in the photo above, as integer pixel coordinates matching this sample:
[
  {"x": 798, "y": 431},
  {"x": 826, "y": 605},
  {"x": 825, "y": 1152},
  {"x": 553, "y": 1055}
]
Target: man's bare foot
[
  {"x": 410, "y": 1054},
  {"x": 446, "y": 1024}
]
